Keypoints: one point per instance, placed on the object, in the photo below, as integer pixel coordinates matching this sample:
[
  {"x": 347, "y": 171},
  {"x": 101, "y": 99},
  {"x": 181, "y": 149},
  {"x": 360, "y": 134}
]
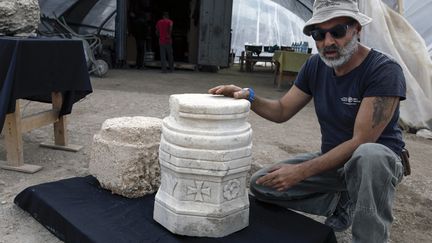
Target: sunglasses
[{"x": 337, "y": 32}]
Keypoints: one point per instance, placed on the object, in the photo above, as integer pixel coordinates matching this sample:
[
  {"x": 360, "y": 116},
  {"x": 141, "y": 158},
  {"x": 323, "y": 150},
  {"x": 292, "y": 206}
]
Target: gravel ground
[{"x": 146, "y": 93}]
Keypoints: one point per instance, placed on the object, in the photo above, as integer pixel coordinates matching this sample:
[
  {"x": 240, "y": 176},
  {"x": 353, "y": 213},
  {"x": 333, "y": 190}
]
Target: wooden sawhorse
[{"x": 15, "y": 126}]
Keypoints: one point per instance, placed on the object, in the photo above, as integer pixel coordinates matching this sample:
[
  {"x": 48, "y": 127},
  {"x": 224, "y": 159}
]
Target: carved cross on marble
[{"x": 198, "y": 190}]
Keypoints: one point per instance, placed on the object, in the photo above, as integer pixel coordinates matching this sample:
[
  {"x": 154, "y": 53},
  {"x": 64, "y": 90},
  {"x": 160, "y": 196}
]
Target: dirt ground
[{"x": 146, "y": 93}]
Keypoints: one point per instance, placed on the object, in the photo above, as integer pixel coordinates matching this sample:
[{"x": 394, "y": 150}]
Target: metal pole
[
  {"x": 400, "y": 6},
  {"x": 120, "y": 32}
]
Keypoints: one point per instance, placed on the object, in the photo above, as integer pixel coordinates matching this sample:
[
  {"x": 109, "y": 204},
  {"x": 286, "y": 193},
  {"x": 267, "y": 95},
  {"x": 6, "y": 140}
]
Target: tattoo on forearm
[{"x": 383, "y": 109}]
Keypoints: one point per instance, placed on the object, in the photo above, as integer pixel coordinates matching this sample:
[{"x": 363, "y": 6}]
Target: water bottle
[{"x": 304, "y": 47}]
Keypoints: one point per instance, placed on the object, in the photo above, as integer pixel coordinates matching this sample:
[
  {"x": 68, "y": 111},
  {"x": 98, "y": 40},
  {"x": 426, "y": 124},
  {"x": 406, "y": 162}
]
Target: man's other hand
[{"x": 282, "y": 177}]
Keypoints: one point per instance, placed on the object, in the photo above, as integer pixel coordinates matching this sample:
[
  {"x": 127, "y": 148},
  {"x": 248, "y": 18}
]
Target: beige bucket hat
[{"x": 324, "y": 10}]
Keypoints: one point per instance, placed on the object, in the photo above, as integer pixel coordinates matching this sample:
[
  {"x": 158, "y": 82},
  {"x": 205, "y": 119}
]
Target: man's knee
[{"x": 371, "y": 158}]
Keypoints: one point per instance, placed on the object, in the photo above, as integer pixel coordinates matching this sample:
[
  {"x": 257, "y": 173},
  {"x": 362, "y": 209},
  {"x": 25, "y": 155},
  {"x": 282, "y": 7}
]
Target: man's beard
[{"x": 345, "y": 53}]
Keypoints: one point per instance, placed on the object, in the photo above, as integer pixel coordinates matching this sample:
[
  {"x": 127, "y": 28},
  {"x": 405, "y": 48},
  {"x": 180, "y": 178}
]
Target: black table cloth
[
  {"x": 79, "y": 210},
  {"x": 32, "y": 68}
]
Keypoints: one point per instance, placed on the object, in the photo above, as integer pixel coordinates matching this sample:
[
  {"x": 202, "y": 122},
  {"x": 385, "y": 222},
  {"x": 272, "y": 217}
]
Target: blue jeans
[{"x": 369, "y": 177}]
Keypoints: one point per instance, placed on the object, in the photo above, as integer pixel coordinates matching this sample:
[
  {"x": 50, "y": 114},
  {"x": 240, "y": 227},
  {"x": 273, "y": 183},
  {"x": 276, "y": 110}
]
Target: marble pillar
[{"x": 205, "y": 156}]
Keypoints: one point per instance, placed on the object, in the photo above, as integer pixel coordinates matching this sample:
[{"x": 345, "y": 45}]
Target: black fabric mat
[{"x": 79, "y": 210}]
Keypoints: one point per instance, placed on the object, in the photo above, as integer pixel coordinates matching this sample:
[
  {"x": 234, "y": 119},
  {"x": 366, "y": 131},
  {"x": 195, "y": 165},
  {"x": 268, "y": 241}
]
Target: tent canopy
[
  {"x": 84, "y": 16},
  {"x": 269, "y": 23},
  {"x": 55, "y": 8}
]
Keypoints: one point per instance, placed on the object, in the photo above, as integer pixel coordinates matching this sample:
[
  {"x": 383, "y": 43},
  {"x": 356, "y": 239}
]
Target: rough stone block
[
  {"x": 19, "y": 17},
  {"x": 124, "y": 156}
]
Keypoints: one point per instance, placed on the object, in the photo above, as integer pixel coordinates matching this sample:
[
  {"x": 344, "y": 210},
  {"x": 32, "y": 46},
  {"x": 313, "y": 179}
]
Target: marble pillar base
[
  {"x": 205, "y": 156},
  {"x": 200, "y": 225}
]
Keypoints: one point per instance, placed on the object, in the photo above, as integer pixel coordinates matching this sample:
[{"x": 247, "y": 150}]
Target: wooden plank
[
  {"x": 261, "y": 59},
  {"x": 12, "y": 131},
  {"x": 14, "y": 145},
  {"x": 276, "y": 75},
  {"x": 26, "y": 168},
  {"x": 177, "y": 65},
  {"x": 242, "y": 60},
  {"x": 185, "y": 66},
  {"x": 15, "y": 126},
  {"x": 400, "y": 4},
  {"x": 69, "y": 147},
  {"x": 38, "y": 120},
  {"x": 60, "y": 130}
]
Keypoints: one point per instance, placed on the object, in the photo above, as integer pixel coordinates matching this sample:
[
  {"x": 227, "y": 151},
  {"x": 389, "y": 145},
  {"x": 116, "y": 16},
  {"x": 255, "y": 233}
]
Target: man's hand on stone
[
  {"x": 282, "y": 177},
  {"x": 230, "y": 91}
]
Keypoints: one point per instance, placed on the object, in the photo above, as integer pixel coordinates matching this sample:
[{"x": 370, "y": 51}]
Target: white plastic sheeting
[
  {"x": 392, "y": 34},
  {"x": 393, "y": 4},
  {"x": 266, "y": 23},
  {"x": 418, "y": 12}
]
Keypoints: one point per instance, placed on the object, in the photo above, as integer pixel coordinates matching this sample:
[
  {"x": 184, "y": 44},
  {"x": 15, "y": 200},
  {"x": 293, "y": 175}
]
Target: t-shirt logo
[{"x": 350, "y": 100}]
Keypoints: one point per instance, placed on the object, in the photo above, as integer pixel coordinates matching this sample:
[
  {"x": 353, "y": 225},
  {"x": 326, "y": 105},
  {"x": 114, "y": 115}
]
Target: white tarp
[
  {"x": 418, "y": 12},
  {"x": 393, "y": 4},
  {"x": 392, "y": 34},
  {"x": 264, "y": 22}
]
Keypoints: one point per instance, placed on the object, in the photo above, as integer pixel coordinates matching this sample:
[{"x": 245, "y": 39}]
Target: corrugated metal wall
[{"x": 215, "y": 32}]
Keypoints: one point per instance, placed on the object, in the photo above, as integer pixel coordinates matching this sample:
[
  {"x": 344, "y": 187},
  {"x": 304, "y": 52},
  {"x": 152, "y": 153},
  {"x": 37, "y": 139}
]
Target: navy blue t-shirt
[{"x": 337, "y": 99}]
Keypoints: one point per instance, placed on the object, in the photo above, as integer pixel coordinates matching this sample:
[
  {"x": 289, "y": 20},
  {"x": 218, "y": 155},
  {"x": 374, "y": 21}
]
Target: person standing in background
[
  {"x": 139, "y": 29},
  {"x": 164, "y": 31}
]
